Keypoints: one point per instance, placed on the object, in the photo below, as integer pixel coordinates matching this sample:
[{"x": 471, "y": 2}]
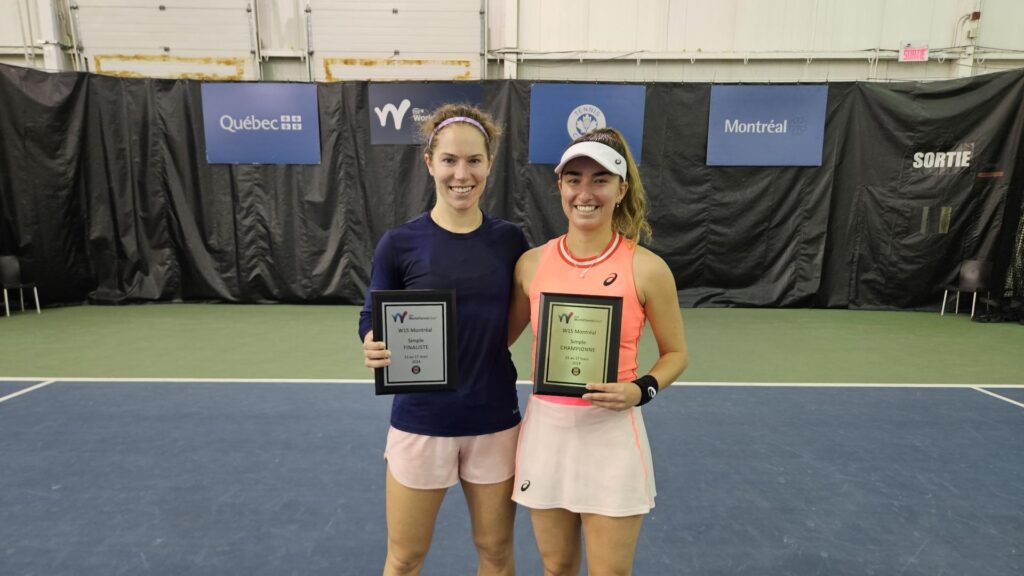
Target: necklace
[{"x": 586, "y": 264}]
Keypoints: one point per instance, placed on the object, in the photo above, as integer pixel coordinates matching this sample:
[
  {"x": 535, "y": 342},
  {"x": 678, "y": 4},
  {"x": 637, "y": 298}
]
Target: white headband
[{"x": 603, "y": 154}]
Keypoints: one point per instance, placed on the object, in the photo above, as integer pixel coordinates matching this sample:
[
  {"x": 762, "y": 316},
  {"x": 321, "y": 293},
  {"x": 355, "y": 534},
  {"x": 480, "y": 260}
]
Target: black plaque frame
[
  {"x": 381, "y": 300},
  {"x": 545, "y": 384}
]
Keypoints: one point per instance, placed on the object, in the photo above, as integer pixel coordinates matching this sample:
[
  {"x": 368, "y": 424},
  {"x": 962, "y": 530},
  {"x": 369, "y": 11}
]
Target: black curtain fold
[
  {"x": 886, "y": 237},
  {"x": 106, "y": 195}
]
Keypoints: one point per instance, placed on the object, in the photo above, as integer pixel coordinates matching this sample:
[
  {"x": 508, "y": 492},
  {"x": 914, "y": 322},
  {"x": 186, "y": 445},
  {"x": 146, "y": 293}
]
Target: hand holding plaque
[
  {"x": 577, "y": 342},
  {"x": 418, "y": 328}
]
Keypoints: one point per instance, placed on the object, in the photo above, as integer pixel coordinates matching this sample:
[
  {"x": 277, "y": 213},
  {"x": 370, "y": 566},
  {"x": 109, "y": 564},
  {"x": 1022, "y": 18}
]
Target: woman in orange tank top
[{"x": 585, "y": 464}]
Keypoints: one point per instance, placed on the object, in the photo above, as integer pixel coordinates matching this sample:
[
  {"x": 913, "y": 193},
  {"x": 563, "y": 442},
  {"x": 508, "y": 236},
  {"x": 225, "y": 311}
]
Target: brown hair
[
  {"x": 630, "y": 218},
  {"x": 491, "y": 129}
]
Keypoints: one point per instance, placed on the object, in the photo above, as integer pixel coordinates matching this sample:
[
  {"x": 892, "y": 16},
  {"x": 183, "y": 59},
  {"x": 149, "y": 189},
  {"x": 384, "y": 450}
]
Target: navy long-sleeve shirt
[{"x": 479, "y": 266}]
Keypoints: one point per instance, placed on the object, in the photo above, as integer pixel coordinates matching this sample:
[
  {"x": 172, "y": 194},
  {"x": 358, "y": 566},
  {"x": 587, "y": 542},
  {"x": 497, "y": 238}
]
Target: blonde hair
[
  {"x": 492, "y": 132},
  {"x": 630, "y": 218}
]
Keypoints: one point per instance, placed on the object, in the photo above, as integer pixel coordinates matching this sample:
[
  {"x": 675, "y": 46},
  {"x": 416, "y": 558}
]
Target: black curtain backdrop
[{"x": 106, "y": 195}]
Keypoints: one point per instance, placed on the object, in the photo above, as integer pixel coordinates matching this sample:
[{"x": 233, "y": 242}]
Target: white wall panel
[
  {"x": 609, "y": 25},
  {"x": 167, "y": 38},
  {"x": 19, "y": 29},
  {"x": 12, "y": 59},
  {"x": 637, "y": 40},
  {"x": 708, "y": 26},
  {"x": 553, "y": 24},
  {"x": 436, "y": 39},
  {"x": 735, "y": 71},
  {"x": 760, "y": 26},
  {"x": 282, "y": 26},
  {"x": 12, "y": 22},
  {"x": 734, "y": 25},
  {"x": 849, "y": 25},
  {"x": 1007, "y": 27},
  {"x": 149, "y": 31},
  {"x": 381, "y": 32},
  {"x": 214, "y": 26},
  {"x": 752, "y": 40},
  {"x": 650, "y": 29}
]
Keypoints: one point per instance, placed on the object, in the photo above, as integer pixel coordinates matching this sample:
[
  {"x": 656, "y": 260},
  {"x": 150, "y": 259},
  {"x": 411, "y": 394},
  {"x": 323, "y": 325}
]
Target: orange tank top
[{"x": 609, "y": 274}]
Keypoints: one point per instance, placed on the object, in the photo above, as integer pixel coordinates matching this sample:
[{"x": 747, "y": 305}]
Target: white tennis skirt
[{"x": 584, "y": 459}]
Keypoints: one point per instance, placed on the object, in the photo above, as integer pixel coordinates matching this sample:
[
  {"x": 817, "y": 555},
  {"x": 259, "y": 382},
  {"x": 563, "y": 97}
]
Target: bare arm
[
  {"x": 656, "y": 289},
  {"x": 519, "y": 305}
]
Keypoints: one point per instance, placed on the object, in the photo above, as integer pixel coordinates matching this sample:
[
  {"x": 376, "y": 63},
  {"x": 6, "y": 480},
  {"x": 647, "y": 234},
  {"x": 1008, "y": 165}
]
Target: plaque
[
  {"x": 418, "y": 328},
  {"x": 577, "y": 342}
]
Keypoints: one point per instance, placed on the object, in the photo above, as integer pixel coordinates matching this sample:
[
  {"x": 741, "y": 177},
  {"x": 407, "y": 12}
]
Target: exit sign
[{"x": 911, "y": 53}]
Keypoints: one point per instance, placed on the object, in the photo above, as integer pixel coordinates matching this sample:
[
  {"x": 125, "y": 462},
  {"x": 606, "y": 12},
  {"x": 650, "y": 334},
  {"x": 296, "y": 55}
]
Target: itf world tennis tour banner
[
  {"x": 560, "y": 113},
  {"x": 261, "y": 123},
  {"x": 766, "y": 125},
  {"x": 397, "y": 109}
]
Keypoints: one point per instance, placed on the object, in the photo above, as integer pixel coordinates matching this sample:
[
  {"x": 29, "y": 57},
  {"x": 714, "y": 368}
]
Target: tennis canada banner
[{"x": 560, "y": 113}]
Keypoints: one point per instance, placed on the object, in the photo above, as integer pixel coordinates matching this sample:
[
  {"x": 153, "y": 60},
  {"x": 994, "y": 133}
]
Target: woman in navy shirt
[{"x": 468, "y": 435}]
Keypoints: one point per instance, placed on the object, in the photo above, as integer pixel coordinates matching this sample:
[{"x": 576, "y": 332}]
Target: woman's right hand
[{"x": 375, "y": 355}]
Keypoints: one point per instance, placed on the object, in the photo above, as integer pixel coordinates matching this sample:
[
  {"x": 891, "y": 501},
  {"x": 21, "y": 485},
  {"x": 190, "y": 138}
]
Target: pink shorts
[{"x": 432, "y": 462}]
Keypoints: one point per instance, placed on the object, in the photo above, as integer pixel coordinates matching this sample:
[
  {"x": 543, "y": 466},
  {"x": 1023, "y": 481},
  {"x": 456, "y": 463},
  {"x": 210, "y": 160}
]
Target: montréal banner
[{"x": 766, "y": 125}]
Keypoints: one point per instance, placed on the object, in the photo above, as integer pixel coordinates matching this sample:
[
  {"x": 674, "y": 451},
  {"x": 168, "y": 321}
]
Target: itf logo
[
  {"x": 563, "y": 317},
  {"x": 584, "y": 119},
  {"x": 400, "y": 318}
]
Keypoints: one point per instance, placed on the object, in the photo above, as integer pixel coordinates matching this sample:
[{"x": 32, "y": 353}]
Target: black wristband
[{"x": 648, "y": 388}]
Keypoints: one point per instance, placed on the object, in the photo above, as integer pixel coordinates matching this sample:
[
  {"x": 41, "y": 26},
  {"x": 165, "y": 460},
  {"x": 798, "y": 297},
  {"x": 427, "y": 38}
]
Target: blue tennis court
[{"x": 257, "y": 477}]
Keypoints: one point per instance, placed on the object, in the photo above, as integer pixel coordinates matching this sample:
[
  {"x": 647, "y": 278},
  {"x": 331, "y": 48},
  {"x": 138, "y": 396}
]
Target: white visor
[{"x": 601, "y": 153}]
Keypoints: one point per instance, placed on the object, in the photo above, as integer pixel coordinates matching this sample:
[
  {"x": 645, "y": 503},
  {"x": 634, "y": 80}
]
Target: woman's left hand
[{"x": 613, "y": 395}]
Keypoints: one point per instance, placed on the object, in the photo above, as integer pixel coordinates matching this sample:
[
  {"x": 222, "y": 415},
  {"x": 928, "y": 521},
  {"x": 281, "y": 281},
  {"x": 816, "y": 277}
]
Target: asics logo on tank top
[
  {"x": 524, "y": 486},
  {"x": 611, "y": 279}
]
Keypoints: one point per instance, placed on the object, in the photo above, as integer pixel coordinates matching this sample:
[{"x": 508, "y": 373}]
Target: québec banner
[
  {"x": 766, "y": 125},
  {"x": 560, "y": 113},
  {"x": 265, "y": 123},
  {"x": 397, "y": 109}
]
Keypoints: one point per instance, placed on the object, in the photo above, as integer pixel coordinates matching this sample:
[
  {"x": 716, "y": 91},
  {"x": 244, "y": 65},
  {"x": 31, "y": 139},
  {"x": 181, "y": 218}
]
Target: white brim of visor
[{"x": 602, "y": 154}]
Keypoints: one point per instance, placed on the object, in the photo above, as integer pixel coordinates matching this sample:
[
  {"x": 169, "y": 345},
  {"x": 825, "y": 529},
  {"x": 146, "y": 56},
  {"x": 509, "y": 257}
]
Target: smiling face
[
  {"x": 459, "y": 166},
  {"x": 589, "y": 193}
]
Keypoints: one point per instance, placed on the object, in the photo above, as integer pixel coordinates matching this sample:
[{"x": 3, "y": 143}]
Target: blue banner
[
  {"x": 560, "y": 113},
  {"x": 398, "y": 109},
  {"x": 766, "y": 125},
  {"x": 261, "y": 123}
]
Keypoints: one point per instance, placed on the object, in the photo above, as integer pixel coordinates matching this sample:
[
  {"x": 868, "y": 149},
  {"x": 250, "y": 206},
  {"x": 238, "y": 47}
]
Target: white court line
[
  {"x": 1003, "y": 398},
  {"x": 26, "y": 390},
  {"x": 521, "y": 382},
  {"x": 197, "y": 380},
  {"x": 842, "y": 385},
  {"x": 825, "y": 385}
]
